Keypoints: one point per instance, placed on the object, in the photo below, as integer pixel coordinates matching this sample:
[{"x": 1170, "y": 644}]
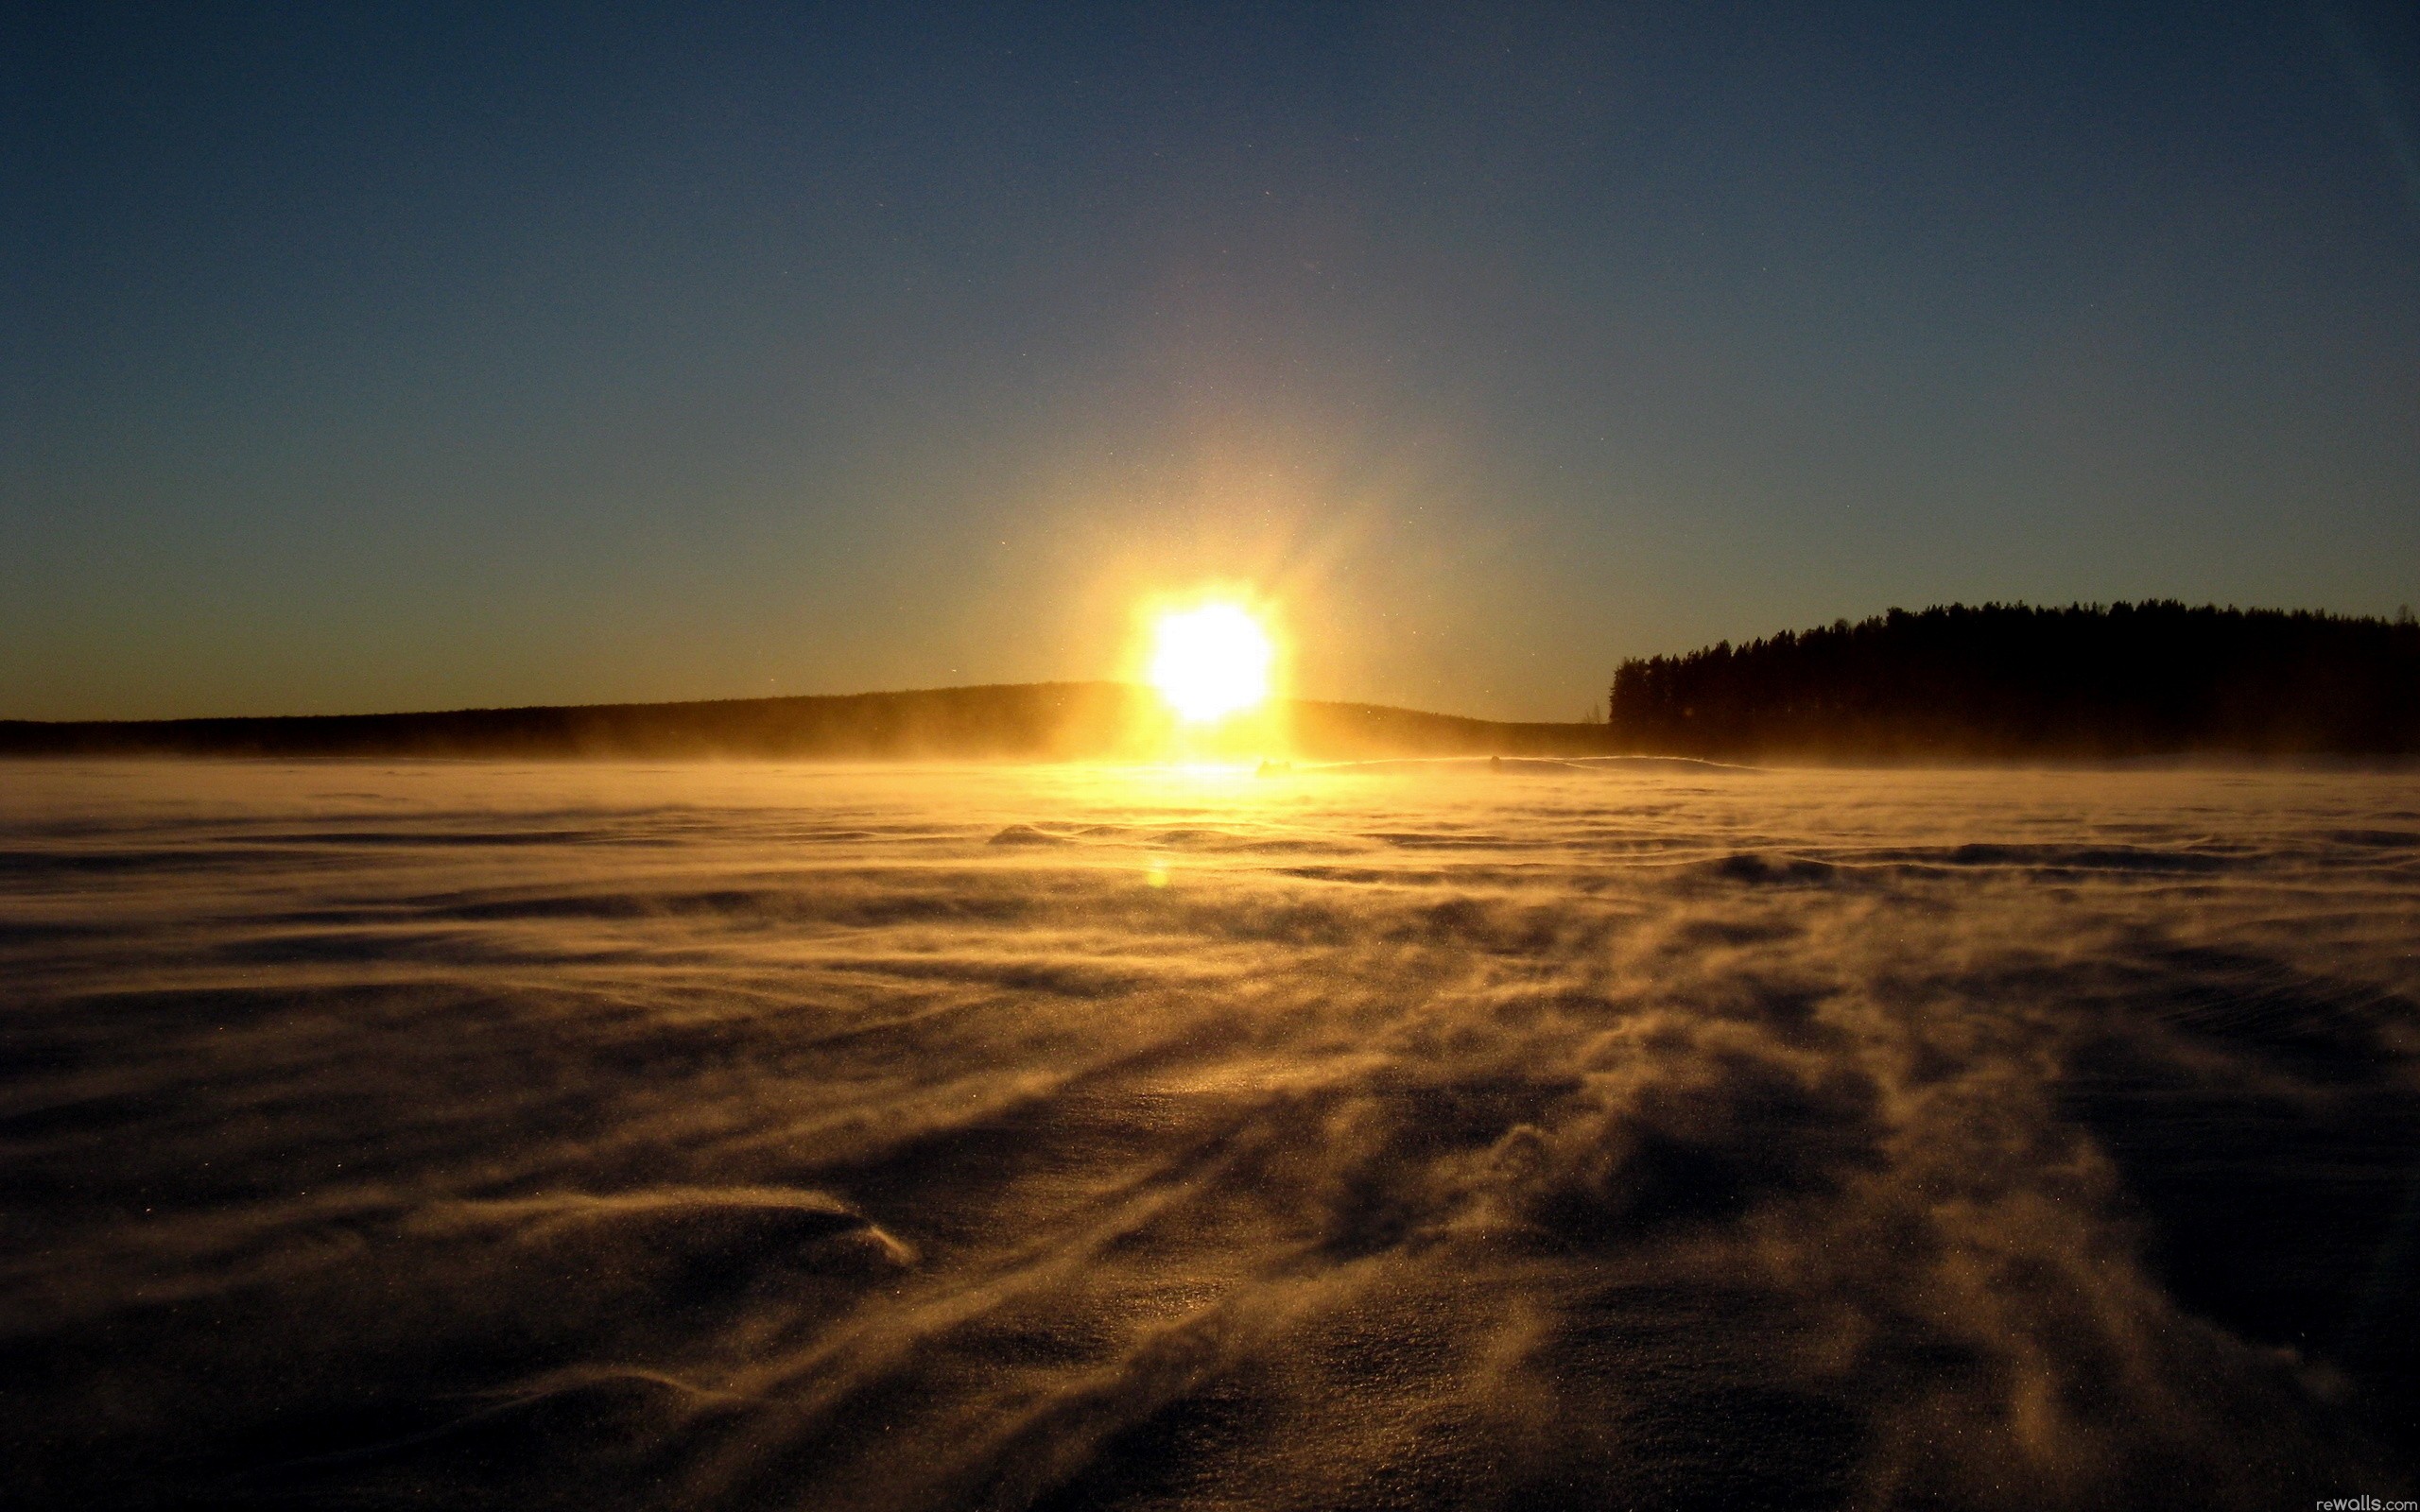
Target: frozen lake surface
[{"x": 1421, "y": 1136}]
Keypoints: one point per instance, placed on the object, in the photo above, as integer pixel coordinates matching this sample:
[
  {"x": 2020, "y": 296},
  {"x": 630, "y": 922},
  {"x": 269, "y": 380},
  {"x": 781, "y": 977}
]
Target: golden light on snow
[{"x": 1211, "y": 661}]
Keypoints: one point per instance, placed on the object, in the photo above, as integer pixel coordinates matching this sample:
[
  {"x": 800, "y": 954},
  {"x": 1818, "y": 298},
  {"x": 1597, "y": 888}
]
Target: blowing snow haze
[{"x": 1435, "y": 1137}]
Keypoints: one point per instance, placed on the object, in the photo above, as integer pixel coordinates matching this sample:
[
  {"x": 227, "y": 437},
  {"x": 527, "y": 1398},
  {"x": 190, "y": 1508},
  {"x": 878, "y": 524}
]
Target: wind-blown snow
[{"x": 1420, "y": 1135}]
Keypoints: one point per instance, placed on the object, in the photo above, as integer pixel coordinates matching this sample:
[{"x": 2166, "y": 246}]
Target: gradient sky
[{"x": 422, "y": 356}]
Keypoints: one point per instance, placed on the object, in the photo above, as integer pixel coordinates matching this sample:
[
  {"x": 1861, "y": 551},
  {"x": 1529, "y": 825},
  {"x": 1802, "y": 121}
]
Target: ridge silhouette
[{"x": 1038, "y": 721}]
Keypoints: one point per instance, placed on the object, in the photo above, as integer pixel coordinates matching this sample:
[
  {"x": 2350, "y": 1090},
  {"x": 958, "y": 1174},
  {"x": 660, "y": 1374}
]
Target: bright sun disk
[{"x": 1211, "y": 661}]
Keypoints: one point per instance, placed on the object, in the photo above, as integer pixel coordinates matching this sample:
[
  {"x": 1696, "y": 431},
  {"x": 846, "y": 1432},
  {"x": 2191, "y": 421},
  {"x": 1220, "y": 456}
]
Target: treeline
[{"x": 2007, "y": 681}]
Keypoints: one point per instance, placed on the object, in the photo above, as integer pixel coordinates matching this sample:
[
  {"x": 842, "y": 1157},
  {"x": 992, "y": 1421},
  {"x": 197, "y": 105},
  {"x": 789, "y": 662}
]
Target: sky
[{"x": 429, "y": 356}]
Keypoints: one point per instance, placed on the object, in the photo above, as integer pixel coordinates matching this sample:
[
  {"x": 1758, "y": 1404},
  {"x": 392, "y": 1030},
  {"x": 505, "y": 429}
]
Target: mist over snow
[{"x": 1430, "y": 1135}]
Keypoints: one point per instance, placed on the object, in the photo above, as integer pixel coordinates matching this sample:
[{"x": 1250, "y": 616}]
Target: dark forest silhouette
[{"x": 2002, "y": 682}]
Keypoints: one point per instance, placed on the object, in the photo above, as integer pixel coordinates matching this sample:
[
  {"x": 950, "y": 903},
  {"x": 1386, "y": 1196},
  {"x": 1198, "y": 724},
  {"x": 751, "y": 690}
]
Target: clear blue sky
[{"x": 359, "y": 358}]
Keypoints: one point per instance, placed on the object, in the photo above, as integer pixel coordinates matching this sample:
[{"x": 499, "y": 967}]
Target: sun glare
[{"x": 1211, "y": 661}]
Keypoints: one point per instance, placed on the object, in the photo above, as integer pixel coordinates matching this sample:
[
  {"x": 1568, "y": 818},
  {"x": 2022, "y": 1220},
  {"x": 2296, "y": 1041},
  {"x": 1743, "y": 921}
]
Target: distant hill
[
  {"x": 2004, "y": 681},
  {"x": 1041, "y": 721}
]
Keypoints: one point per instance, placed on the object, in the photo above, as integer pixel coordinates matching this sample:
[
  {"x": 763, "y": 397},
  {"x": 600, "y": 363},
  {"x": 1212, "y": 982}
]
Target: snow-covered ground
[{"x": 1419, "y": 1135}]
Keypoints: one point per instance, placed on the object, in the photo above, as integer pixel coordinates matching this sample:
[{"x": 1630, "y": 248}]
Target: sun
[{"x": 1211, "y": 661}]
